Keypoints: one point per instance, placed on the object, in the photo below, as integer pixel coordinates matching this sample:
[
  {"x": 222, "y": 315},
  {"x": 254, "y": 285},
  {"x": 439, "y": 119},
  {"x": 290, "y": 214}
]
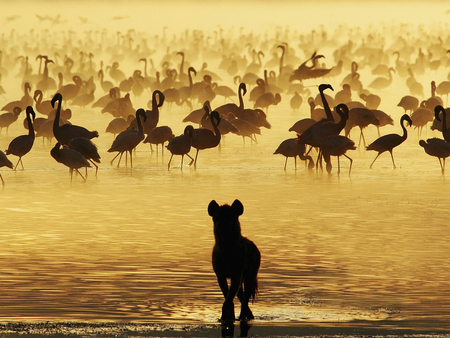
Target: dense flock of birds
[{"x": 61, "y": 72}]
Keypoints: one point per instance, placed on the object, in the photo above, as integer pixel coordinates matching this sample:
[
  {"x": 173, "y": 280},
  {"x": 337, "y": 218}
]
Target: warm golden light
[{"x": 134, "y": 243}]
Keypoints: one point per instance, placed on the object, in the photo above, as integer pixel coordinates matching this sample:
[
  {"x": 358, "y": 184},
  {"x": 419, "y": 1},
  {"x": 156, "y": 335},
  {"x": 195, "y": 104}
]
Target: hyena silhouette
[{"x": 234, "y": 257}]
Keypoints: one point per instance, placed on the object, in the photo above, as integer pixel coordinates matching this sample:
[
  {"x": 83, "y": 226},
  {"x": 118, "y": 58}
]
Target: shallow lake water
[{"x": 134, "y": 244}]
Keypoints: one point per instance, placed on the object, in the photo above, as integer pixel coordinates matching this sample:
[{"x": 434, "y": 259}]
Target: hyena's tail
[{"x": 256, "y": 262}]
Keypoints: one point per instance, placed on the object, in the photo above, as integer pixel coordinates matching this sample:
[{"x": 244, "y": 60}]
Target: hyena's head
[{"x": 226, "y": 219}]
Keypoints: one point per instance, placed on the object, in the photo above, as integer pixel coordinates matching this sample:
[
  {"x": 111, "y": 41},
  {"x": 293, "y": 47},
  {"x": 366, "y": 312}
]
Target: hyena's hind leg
[{"x": 250, "y": 288}]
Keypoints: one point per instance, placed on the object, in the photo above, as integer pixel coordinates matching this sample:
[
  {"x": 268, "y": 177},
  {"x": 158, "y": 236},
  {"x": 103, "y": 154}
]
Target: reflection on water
[{"x": 135, "y": 244}]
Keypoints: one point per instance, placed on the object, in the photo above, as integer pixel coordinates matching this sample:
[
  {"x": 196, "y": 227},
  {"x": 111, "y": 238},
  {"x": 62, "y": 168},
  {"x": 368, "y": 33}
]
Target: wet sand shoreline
[{"x": 255, "y": 329}]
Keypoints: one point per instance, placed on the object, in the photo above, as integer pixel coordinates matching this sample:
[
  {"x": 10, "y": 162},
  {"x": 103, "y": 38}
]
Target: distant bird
[
  {"x": 106, "y": 85},
  {"x": 4, "y": 162},
  {"x": 203, "y": 138},
  {"x": 23, "y": 103},
  {"x": 383, "y": 119},
  {"x": 445, "y": 130},
  {"x": 304, "y": 71},
  {"x": 66, "y": 132},
  {"x": 6, "y": 119},
  {"x": 115, "y": 73},
  {"x": 421, "y": 116},
  {"x": 382, "y": 82},
  {"x": 344, "y": 95},
  {"x": 245, "y": 128},
  {"x": 267, "y": 99},
  {"x": 434, "y": 100},
  {"x": 181, "y": 145},
  {"x": 196, "y": 115},
  {"x": 438, "y": 148},
  {"x": 118, "y": 125},
  {"x": 84, "y": 99},
  {"x": 336, "y": 145},
  {"x": 71, "y": 90},
  {"x": 70, "y": 158},
  {"x": 360, "y": 117},
  {"x": 21, "y": 145},
  {"x": 409, "y": 102},
  {"x": 86, "y": 148},
  {"x": 443, "y": 88},
  {"x": 390, "y": 141},
  {"x": 302, "y": 125},
  {"x": 290, "y": 148},
  {"x": 43, "y": 107},
  {"x": 372, "y": 101},
  {"x": 296, "y": 101},
  {"x": 129, "y": 139},
  {"x": 159, "y": 135}
]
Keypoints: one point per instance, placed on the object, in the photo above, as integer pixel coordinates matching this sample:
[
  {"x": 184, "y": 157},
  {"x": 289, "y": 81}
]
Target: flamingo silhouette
[
  {"x": 181, "y": 145},
  {"x": 22, "y": 144},
  {"x": 390, "y": 141},
  {"x": 70, "y": 158},
  {"x": 127, "y": 140}
]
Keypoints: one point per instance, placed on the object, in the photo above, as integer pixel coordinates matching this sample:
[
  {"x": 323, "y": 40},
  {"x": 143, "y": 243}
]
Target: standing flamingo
[
  {"x": 445, "y": 128},
  {"x": 66, "y": 132},
  {"x": 390, "y": 141},
  {"x": 291, "y": 148},
  {"x": 4, "y": 162},
  {"x": 203, "y": 138},
  {"x": 438, "y": 148},
  {"x": 86, "y": 148},
  {"x": 336, "y": 145},
  {"x": 181, "y": 145},
  {"x": 127, "y": 140},
  {"x": 22, "y": 144},
  {"x": 70, "y": 158}
]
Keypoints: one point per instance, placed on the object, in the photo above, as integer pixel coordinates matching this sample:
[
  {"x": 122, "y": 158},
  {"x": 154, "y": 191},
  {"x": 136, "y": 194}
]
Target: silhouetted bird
[
  {"x": 390, "y": 141},
  {"x": 70, "y": 158},
  {"x": 438, "y": 148},
  {"x": 22, "y": 144},
  {"x": 4, "y": 162}
]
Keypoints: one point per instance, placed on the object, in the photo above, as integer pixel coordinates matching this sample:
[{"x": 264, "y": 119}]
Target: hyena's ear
[
  {"x": 212, "y": 207},
  {"x": 238, "y": 207}
]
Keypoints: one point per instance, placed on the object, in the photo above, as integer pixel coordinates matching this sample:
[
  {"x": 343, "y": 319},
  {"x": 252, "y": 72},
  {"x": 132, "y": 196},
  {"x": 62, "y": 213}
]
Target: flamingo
[
  {"x": 4, "y": 162},
  {"x": 291, "y": 148},
  {"x": 445, "y": 128},
  {"x": 159, "y": 135},
  {"x": 203, "y": 138},
  {"x": 127, "y": 140},
  {"x": 181, "y": 145},
  {"x": 438, "y": 148},
  {"x": 6, "y": 119},
  {"x": 390, "y": 141},
  {"x": 336, "y": 145},
  {"x": 70, "y": 158},
  {"x": 382, "y": 82},
  {"x": 86, "y": 148},
  {"x": 66, "y": 132},
  {"x": 21, "y": 145}
]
